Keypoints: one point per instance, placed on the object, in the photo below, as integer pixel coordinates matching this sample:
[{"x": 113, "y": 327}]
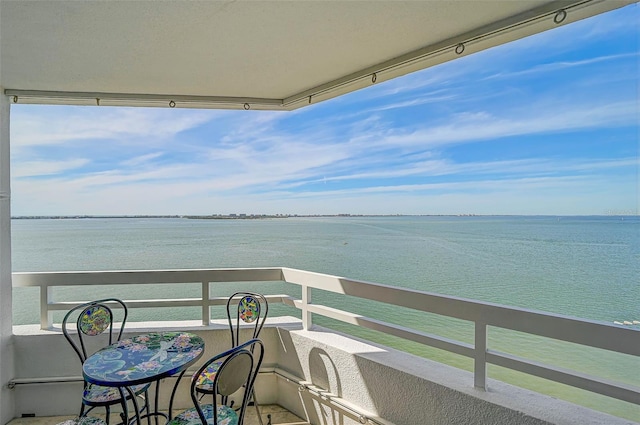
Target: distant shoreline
[
  {"x": 271, "y": 216},
  {"x": 229, "y": 216}
]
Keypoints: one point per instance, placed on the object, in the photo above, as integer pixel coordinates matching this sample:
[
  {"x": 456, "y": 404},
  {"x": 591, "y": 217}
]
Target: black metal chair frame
[
  {"x": 222, "y": 389},
  {"x": 81, "y": 350},
  {"x": 233, "y": 303}
]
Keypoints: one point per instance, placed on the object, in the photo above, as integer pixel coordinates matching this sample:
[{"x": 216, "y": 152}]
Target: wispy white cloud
[
  {"x": 57, "y": 125},
  {"x": 423, "y": 99},
  {"x": 540, "y": 118},
  {"x": 546, "y": 68},
  {"x": 424, "y": 168},
  {"x": 43, "y": 168},
  {"x": 492, "y": 185},
  {"x": 550, "y": 195},
  {"x": 529, "y": 166},
  {"x": 142, "y": 159}
]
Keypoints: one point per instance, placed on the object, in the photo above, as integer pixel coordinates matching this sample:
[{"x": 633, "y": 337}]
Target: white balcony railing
[{"x": 482, "y": 315}]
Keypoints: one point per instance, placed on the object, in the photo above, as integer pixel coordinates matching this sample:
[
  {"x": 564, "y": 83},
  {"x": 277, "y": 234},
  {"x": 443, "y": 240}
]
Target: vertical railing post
[
  {"x": 480, "y": 357},
  {"x": 206, "y": 310},
  {"x": 46, "y": 316},
  {"x": 306, "y": 314}
]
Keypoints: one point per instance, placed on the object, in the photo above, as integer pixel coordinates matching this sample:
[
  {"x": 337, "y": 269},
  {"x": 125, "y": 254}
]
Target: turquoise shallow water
[{"x": 586, "y": 267}]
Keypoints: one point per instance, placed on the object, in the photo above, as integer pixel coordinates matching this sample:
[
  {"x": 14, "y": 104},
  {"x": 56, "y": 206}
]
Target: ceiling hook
[
  {"x": 15, "y": 99},
  {"x": 374, "y": 78},
  {"x": 247, "y": 106},
  {"x": 460, "y": 48},
  {"x": 310, "y": 99},
  {"x": 97, "y": 101},
  {"x": 172, "y": 104},
  {"x": 560, "y": 16}
]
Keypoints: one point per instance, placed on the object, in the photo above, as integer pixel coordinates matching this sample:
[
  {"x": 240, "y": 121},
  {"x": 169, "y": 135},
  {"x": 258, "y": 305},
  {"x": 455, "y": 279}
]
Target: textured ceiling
[{"x": 260, "y": 54}]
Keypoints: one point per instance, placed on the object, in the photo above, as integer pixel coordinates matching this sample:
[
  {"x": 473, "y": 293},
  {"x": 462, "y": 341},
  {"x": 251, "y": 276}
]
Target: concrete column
[
  {"x": 6, "y": 329},
  {"x": 7, "y": 367}
]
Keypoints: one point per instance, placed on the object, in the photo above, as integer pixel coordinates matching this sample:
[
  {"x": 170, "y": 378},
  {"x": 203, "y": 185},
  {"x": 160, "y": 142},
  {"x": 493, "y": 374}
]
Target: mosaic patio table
[{"x": 143, "y": 359}]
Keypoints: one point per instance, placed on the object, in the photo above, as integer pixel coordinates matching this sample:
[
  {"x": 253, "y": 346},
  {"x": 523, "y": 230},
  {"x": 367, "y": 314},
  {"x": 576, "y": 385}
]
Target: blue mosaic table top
[{"x": 143, "y": 358}]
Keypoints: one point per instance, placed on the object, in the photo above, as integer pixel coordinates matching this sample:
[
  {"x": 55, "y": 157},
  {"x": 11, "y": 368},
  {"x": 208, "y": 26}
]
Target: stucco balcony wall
[
  {"x": 335, "y": 379},
  {"x": 401, "y": 388}
]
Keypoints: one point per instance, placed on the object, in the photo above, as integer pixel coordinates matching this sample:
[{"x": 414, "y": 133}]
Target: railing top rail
[
  {"x": 551, "y": 325},
  {"x": 121, "y": 277}
]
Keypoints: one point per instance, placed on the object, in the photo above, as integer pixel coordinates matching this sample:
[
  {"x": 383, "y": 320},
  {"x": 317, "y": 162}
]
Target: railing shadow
[{"x": 324, "y": 375}]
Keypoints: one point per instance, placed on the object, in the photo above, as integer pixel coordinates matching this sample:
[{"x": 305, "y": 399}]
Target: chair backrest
[
  {"x": 238, "y": 369},
  {"x": 247, "y": 308},
  {"x": 92, "y": 319}
]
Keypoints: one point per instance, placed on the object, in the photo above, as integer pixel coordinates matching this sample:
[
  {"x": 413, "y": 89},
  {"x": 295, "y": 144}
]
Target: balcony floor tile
[{"x": 279, "y": 416}]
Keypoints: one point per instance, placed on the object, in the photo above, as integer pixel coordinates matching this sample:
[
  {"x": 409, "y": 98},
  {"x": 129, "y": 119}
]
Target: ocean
[{"x": 586, "y": 267}]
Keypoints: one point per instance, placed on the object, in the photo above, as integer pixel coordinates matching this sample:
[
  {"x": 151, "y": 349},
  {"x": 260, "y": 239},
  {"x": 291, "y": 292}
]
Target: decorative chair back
[
  {"x": 247, "y": 308},
  {"x": 93, "y": 318},
  {"x": 238, "y": 369}
]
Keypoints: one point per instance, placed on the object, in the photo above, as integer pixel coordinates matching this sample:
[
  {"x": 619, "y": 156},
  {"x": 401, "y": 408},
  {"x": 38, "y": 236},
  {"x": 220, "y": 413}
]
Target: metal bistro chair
[
  {"x": 93, "y": 319},
  {"x": 249, "y": 308},
  {"x": 238, "y": 368}
]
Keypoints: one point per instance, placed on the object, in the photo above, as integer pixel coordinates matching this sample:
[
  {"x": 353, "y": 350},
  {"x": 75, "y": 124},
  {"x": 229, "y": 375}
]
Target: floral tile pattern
[
  {"x": 226, "y": 416},
  {"x": 205, "y": 380},
  {"x": 249, "y": 309},
  {"x": 97, "y": 394},
  {"x": 94, "y": 320},
  {"x": 143, "y": 358},
  {"x": 85, "y": 420}
]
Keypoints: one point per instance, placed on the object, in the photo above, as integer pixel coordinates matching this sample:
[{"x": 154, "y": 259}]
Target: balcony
[
  {"x": 324, "y": 374},
  {"x": 330, "y": 356}
]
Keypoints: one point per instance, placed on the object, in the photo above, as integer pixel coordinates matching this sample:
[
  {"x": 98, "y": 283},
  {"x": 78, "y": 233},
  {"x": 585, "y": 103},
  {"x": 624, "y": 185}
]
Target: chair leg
[
  {"x": 108, "y": 414},
  {"x": 146, "y": 408},
  {"x": 255, "y": 403}
]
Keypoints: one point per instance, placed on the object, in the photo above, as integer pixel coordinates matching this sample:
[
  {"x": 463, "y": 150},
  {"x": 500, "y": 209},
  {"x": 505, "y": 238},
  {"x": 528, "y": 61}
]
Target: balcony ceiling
[{"x": 246, "y": 54}]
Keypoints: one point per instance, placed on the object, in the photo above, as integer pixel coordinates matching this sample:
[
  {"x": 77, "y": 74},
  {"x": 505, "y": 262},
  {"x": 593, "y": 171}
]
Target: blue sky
[{"x": 544, "y": 125}]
